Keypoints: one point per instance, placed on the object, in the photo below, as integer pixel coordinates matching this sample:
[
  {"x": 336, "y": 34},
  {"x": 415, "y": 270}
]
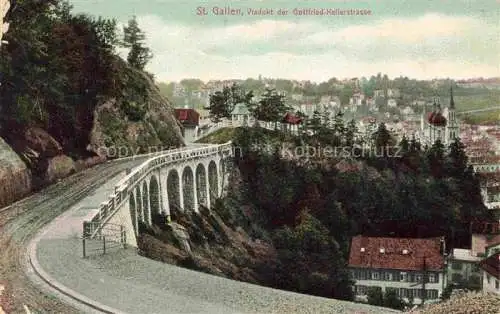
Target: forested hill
[
  {"x": 66, "y": 92},
  {"x": 310, "y": 206}
]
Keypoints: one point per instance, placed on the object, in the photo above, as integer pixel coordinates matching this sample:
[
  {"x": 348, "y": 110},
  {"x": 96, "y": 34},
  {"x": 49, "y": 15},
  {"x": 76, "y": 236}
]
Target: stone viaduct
[{"x": 176, "y": 180}]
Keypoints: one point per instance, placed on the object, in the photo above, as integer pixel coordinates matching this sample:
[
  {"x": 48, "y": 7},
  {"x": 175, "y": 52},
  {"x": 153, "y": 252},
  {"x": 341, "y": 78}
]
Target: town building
[
  {"x": 391, "y": 103},
  {"x": 463, "y": 269},
  {"x": 357, "y": 99},
  {"x": 366, "y": 127},
  {"x": 413, "y": 268},
  {"x": 407, "y": 111},
  {"x": 436, "y": 126},
  {"x": 290, "y": 123},
  {"x": 393, "y": 93},
  {"x": 189, "y": 120},
  {"x": 490, "y": 268},
  {"x": 241, "y": 115},
  {"x": 486, "y": 244},
  {"x": 378, "y": 93}
]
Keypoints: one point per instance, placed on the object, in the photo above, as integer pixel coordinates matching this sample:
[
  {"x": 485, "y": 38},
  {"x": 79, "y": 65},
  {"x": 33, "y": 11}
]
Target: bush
[
  {"x": 133, "y": 111},
  {"x": 375, "y": 296},
  {"x": 392, "y": 300}
]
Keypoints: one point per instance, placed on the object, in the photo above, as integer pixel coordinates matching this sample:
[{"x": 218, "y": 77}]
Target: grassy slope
[
  {"x": 487, "y": 117},
  {"x": 224, "y": 135},
  {"x": 221, "y": 136}
]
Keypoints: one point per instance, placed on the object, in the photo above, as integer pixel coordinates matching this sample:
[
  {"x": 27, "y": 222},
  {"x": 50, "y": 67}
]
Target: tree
[
  {"x": 271, "y": 107},
  {"x": 346, "y": 93},
  {"x": 134, "y": 38},
  {"x": 392, "y": 300},
  {"x": 55, "y": 69},
  {"x": 314, "y": 256},
  {"x": 415, "y": 146},
  {"x": 382, "y": 138},
  {"x": 314, "y": 124},
  {"x": 305, "y": 121},
  {"x": 222, "y": 102},
  {"x": 456, "y": 159},
  {"x": 375, "y": 296},
  {"x": 435, "y": 158},
  {"x": 404, "y": 145},
  {"x": 351, "y": 133},
  {"x": 338, "y": 129},
  {"x": 220, "y": 106}
]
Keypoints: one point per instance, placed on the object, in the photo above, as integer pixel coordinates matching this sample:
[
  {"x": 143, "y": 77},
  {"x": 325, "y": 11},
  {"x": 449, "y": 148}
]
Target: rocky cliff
[
  {"x": 204, "y": 242},
  {"x": 124, "y": 127},
  {"x": 34, "y": 155},
  {"x": 15, "y": 177}
]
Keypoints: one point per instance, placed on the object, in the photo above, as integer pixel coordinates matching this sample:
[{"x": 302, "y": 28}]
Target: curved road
[{"x": 120, "y": 281}]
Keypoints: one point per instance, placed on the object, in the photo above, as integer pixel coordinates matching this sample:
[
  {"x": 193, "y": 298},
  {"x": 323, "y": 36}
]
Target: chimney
[
  {"x": 405, "y": 252},
  {"x": 382, "y": 250},
  {"x": 362, "y": 249}
]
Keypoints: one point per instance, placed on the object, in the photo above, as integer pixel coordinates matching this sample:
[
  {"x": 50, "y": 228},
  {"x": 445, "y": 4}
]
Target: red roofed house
[
  {"x": 399, "y": 264},
  {"x": 491, "y": 273},
  {"x": 190, "y": 120},
  {"x": 291, "y": 122}
]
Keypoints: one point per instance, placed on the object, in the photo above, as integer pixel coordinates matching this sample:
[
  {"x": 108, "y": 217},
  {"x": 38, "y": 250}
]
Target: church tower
[{"x": 452, "y": 130}]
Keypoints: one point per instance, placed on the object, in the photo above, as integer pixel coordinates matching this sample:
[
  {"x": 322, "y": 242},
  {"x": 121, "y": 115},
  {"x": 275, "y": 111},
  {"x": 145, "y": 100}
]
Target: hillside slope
[{"x": 68, "y": 101}]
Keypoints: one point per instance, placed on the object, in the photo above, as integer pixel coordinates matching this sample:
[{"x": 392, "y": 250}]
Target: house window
[
  {"x": 375, "y": 275},
  {"x": 418, "y": 278},
  {"x": 475, "y": 280},
  {"x": 456, "y": 277},
  {"x": 456, "y": 266},
  {"x": 417, "y": 293},
  {"x": 432, "y": 294},
  {"x": 432, "y": 278},
  {"x": 475, "y": 267},
  {"x": 388, "y": 276},
  {"x": 403, "y": 293},
  {"x": 402, "y": 277},
  {"x": 361, "y": 290},
  {"x": 365, "y": 274},
  {"x": 488, "y": 278},
  {"x": 496, "y": 284},
  {"x": 409, "y": 293}
]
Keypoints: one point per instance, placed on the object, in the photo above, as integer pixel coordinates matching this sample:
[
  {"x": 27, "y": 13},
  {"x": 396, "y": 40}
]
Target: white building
[
  {"x": 241, "y": 115},
  {"x": 297, "y": 97},
  {"x": 413, "y": 268},
  {"x": 179, "y": 90},
  {"x": 490, "y": 268},
  {"x": 324, "y": 100},
  {"x": 392, "y": 103},
  {"x": 378, "y": 93},
  {"x": 357, "y": 99},
  {"x": 190, "y": 120},
  {"x": 393, "y": 92},
  {"x": 463, "y": 268},
  {"x": 437, "y": 126},
  {"x": 407, "y": 111}
]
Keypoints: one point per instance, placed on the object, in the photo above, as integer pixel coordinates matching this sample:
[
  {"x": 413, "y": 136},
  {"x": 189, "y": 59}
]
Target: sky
[{"x": 421, "y": 39}]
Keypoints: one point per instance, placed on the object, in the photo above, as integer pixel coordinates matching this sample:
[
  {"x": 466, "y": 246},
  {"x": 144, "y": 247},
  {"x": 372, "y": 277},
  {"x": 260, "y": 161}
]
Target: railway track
[{"x": 21, "y": 221}]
